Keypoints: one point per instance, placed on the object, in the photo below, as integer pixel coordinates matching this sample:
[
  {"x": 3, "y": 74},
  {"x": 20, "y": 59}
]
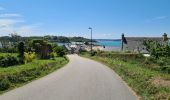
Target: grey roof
[
  {"x": 67, "y": 47},
  {"x": 143, "y": 38}
]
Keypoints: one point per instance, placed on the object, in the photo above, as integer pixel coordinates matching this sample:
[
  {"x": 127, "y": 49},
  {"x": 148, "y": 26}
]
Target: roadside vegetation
[
  {"x": 149, "y": 77},
  {"x": 22, "y": 61}
]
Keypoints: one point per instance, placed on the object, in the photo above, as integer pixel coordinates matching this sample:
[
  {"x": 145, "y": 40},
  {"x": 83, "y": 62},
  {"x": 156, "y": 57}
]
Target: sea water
[{"x": 110, "y": 45}]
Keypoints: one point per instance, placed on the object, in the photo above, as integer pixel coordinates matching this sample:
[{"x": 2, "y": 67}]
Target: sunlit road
[{"x": 81, "y": 79}]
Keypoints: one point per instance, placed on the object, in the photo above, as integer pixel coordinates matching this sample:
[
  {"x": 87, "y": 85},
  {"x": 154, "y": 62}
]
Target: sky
[{"x": 108, "y": 18}]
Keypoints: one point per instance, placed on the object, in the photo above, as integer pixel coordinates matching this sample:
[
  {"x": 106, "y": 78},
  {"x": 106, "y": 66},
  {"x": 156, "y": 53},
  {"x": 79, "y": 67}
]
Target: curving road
[{"x": 81, "y": 79}]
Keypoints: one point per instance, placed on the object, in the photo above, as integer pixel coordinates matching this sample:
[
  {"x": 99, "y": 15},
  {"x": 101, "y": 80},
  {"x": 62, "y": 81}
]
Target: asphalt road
[{"x": 81, "y": 79}]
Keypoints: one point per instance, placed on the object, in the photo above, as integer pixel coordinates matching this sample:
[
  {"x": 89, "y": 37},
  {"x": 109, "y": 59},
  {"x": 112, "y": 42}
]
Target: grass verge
[
  {"x": 138, "y": 76},
  {"x": 5, "y": 54},
  {"x": 19, "y": 75}
]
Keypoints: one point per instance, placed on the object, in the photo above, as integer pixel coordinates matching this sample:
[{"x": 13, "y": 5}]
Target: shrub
[
  {"x": 53, "y": 55},
  {"x": 8, "y": 50},
  {"x": 166, "y": 69},
  {"x": 161, "y": 61},
  {"x": 29, "y": 56},
  {"x": 157, "y": 49},
  {"x": 93, "y": 53},
  {"x": 4, "y": 84},
  {"x": 1, "y": 57},
  {"x": 9, "y": 61},
  {"x": 60, "y": 51}
]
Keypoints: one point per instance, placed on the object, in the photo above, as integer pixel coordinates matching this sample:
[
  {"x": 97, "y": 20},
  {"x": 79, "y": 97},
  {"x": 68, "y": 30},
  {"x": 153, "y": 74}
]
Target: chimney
[
  {"x": 165, "y": 37},
  {"x": 123, "y": 36}
]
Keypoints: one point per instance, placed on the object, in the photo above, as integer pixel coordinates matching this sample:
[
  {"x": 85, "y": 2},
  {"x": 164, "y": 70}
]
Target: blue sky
[{"x": 108, "y": 18}]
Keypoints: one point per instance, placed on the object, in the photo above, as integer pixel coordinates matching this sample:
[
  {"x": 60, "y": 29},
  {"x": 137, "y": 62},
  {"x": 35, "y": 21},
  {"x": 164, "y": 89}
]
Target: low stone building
[{"x": 135, "y": 44}]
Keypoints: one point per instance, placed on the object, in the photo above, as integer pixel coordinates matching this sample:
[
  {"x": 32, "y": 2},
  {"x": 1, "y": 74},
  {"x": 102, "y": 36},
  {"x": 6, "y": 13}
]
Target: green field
[
  {"x": 144, "y": 77},
  {"x": 15, "y": 76}
]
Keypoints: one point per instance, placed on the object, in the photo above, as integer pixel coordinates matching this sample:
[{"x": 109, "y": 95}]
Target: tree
[
  {"x": 21, "y": 50},
  {"x": 86, "y": 43},
  {"x": 42, "y": 48},
  {"x": 60, "y": 51}
]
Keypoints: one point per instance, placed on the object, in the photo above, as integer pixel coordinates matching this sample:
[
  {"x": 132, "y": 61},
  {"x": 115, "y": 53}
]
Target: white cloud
[
  {"x": 8, "y": 15},
  {"x": 8, "y": 26},
  {"x": 9, "y": 22},
  {"x": 157, "y": 18},
  {"x": 13, "y": 22},
  {"x": 160, "y": 18},
  {"x": 27, "y": 30}
]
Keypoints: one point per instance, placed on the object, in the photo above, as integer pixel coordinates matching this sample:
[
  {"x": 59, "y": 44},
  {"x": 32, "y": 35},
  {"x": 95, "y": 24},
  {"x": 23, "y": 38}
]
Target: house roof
[{"x": 143, "y": 38}]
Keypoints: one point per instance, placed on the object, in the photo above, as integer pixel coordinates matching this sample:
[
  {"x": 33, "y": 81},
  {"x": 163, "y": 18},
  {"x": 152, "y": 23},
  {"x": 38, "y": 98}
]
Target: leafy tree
[
  {"x": 15, "y": 37},
  {"x": 86, "y": 43},
  {"x": 42, "y": 48},
  {"x": 21, "y": 50}
]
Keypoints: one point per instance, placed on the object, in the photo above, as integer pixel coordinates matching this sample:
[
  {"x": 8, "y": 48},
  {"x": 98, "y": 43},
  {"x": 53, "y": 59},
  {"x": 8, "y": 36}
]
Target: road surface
[{"x": 81, "y": 79}]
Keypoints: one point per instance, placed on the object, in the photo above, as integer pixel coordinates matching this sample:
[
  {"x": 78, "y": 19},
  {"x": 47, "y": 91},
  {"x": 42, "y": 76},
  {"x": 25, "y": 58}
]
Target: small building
[
  {"x": 69, "y": 49},
  {"x": 135, "y": 44},
  {"x": 77, "y": 46}
]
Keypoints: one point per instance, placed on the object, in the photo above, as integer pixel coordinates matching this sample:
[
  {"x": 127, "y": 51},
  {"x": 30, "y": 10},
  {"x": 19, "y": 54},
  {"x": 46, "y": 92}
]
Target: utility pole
[{"x": 91, "y": 38}]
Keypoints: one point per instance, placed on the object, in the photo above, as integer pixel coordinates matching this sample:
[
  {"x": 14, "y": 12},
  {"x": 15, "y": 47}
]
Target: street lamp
[{"x": 91, "y": 38}]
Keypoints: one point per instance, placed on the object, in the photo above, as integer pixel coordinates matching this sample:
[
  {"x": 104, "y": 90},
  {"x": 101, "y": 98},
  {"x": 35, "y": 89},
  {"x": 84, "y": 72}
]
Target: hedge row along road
[{"x": 81, "y": 79}]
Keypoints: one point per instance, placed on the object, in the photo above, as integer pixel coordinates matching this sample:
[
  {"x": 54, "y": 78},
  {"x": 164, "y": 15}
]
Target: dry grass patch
[{"x": 161, "y": 82}]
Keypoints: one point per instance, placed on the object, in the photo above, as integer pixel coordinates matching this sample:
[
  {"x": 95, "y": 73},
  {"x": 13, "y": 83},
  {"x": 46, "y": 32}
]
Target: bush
[
  {"x": 60, "y": 51},
  {"x": 157, "y": 49},
  {"x": 1, "y": 57},
  {"x": 29, "y": 56},
  {"x": 161, "y": 61},
  {"x": 8, "y": 50},
  {"x": 93, "y": 53},
  {"x": 4, "y": 84},
  {"x": 8, "y": 61},
  {"x": 166, "y": 69},
  {"x": 53, "y": 55}
]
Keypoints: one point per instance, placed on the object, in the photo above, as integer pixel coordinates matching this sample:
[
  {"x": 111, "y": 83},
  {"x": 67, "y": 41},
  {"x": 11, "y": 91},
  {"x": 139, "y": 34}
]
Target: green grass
[
  {"x": 19, "y": 75},
  {"x": 5, "y": 54},
  {"x": 137, "y": 75}
]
